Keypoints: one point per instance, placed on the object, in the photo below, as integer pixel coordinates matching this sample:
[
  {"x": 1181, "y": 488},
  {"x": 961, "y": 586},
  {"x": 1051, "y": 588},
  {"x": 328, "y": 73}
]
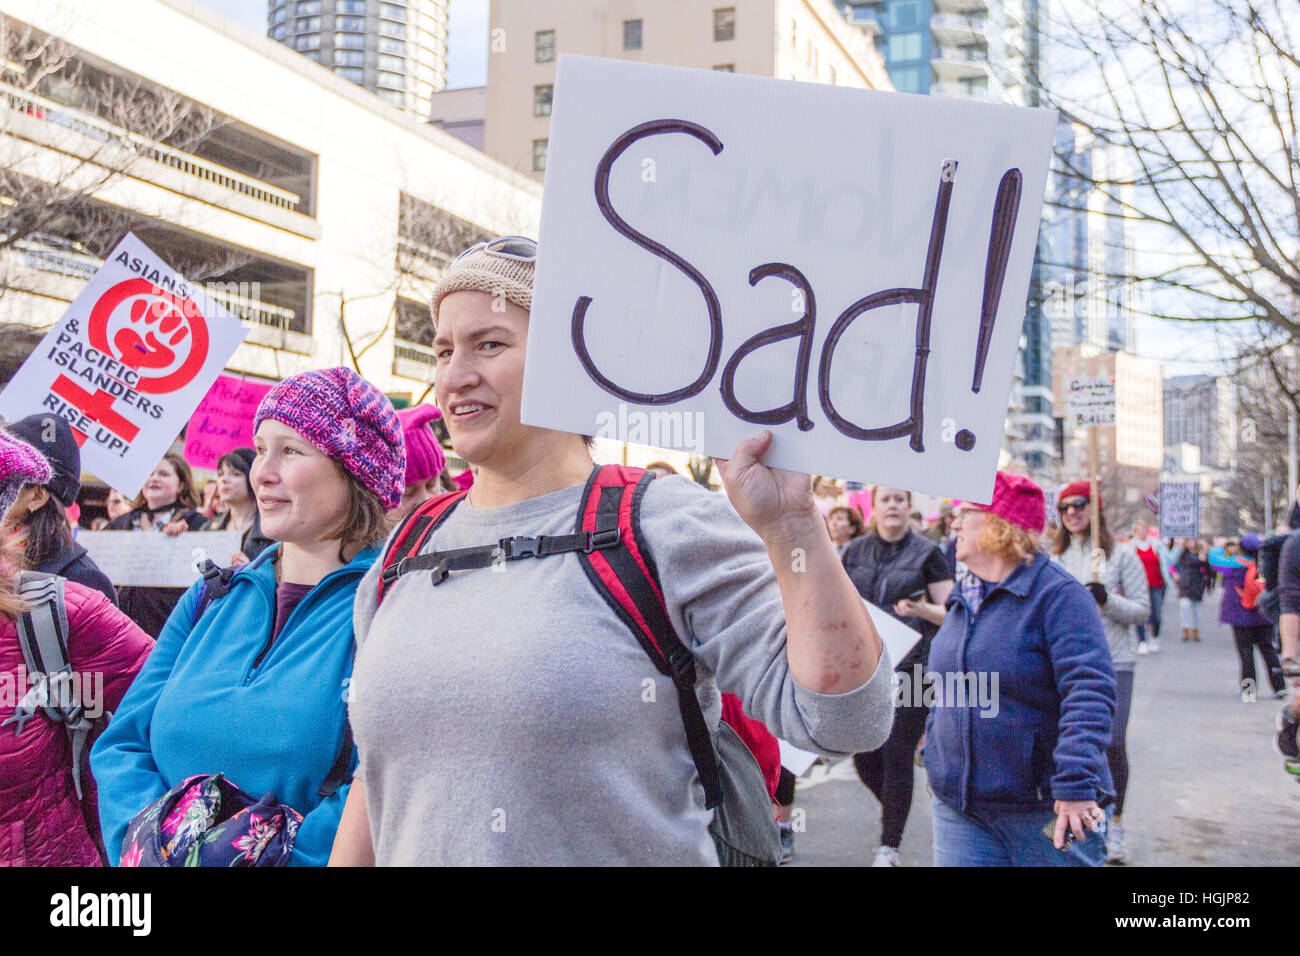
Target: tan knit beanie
[{"x": 481, "y": 271}]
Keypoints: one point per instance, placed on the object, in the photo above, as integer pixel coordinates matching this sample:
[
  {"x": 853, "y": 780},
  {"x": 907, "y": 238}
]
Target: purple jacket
[
  {"x": 41, "y": 821},
  {"x": 1230, "y": 611}
]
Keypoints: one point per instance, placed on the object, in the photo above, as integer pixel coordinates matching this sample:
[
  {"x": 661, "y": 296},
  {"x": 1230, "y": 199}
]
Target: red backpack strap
[
  {"x": 411, "y": 535},
  {"x": 626, "y": 577}
]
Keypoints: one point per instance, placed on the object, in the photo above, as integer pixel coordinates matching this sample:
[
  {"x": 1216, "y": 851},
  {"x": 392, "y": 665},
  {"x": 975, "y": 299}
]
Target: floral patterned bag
[{"x": 208, "y": 821}]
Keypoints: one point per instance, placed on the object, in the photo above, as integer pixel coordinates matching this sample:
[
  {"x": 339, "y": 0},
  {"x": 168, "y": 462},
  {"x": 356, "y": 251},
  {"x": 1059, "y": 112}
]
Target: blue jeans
[
  {"x": 1157, "y": 605},
  {"x": 1006, "y": 838}
]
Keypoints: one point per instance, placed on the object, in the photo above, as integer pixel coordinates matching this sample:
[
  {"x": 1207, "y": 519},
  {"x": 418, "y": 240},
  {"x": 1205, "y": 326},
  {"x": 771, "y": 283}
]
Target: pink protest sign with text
[{"x": 223, "y": 420}]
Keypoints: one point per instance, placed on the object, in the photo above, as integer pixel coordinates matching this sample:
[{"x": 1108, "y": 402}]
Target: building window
[
  {"x": 278, "y": 32},
  {"x": 387, "y": 45},
  {"x": 904, "y": 14},
  {"x": 631, "y": 34},
  {"x": 353, "y": 24},
  {"x": 349, "y": 6},
  {"x": 386, "y": 61},
  {"x": 911, "y": 79},
  {"x": 394, "y": 97},
  {"x": 392, "y": 29},
  {"x": 724, "y": 24},
  {"x": 350, "y": 41},
  {"x": 542, "y": 100},
  {"x": 539, "y": 155},
  {"x": 308, "y": 7},
  {"x": 349, "y": 73},
  {"x": 349, "y": 58},
  {"x": 725, "y": 68},
  {"x": 544, "y": 46},
  {"x": 312, "y": 55},
  {"x": 306, "y": 43},
  {"x": 307, "y": 25},
  {"x": 392, "y": 11},
  {"x": 903, "y": 46},
  {"x": 277, "y": 13},
  {"x": 393, "y": 81}
]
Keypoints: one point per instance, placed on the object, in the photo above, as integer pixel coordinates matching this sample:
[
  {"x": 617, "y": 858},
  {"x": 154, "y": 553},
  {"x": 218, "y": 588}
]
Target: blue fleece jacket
[
  {"x": 199, "y": 706},
  {"x": 1040, "y": 632}
]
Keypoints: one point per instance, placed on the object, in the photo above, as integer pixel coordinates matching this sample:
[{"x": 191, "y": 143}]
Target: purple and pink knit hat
[
  {"x": 348, "y": 419},
  {"x": 20, "y": 464}
]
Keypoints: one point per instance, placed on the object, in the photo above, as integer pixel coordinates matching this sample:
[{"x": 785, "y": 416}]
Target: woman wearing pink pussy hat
[
  {"x": 1027, "y": 757},
  {"x": 255, "y": 686},
  {"x": 48, "y": 807},
  {"x": 426, "y": 463}
]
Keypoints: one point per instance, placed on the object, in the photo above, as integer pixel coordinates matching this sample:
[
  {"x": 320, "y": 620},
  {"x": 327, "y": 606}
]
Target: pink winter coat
[{"x": 41, "y": 821}]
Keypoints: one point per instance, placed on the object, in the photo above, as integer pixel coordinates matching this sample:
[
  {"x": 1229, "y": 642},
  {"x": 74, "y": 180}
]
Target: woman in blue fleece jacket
[
  {"x": 1017, "y": 775},
  {"x": 256, "y": 688}
]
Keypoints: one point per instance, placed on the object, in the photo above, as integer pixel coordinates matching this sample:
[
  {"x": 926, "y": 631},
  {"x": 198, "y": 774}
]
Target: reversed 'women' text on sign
[{"x": 848, "y": 268}]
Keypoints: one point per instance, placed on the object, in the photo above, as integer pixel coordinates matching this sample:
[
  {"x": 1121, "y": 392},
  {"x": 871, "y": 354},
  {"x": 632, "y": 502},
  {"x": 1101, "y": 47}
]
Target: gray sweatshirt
[
  {"x": 508, "y": 717},
  {"x": 1128, "y": 602}
]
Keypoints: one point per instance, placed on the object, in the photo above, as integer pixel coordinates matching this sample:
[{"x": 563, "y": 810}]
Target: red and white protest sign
[{"x": 127, "y": 364}]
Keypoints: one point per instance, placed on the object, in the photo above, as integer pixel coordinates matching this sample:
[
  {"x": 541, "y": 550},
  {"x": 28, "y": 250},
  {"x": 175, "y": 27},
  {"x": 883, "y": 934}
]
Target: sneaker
[
  {"x": 1290, "y": 667},
  {"x": 1285, "y": 742},
  {"x": 1281, "y": 693},
  {"x": 1142, "y": 649},
  {"x": 1248, "y": 696},
  {"x": 1155, "y": 644},
  {"x": 787, "y": 844},
  {"x": 886, "y": 856},
  {"x": 1115, "y": 852}
]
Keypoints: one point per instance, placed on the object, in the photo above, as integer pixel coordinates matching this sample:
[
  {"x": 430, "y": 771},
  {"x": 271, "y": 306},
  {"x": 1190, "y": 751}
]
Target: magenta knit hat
[
  {"x": 424, "y": 456},
  {"x": 20, "y": 464},
  {"x": 1018, "y": 500},
  {"x": 348, "y": 419}
]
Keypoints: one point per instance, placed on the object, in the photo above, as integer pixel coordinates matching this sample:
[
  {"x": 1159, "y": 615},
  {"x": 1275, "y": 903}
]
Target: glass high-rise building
[
  {"x": 983, "y": 50},
  {"x": 394, "y": 48}
]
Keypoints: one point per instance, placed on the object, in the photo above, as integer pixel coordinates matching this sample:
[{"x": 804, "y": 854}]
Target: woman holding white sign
[
  {"x": 169, "y": 503},
  {"x": 547, "y": 733}
]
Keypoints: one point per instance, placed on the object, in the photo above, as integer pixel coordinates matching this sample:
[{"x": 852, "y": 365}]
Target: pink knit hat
[
  {"x": 348, "y": 419},
  {"x": 20, "y": 464},
  {"x": 424, "y": 456},
  {"x": 1018, "y": 500}
]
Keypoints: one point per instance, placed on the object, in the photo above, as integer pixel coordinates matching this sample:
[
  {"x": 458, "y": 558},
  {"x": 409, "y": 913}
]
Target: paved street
[{"x": 1206, "y": 787}]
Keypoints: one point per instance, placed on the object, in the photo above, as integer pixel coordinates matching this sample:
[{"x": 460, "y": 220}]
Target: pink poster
[{"x": 223, "y": 420}]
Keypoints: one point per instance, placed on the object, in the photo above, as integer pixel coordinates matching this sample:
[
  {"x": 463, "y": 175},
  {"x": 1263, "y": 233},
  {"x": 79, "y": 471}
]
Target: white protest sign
[
  {"x": 1180, "y": 509},
  {"x": 157, "y": 560},
  {"x": 127, "y": 364},
  {"x": 1091, "y": 401},
  {"x": 723, "y": 253}
]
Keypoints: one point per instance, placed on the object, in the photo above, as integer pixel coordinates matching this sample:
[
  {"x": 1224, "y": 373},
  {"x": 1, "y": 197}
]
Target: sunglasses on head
[
  {"x": 518, "y": 248},
  {"x": 1073, "y": 504}
]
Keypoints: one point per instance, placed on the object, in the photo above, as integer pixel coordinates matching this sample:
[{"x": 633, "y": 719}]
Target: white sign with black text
[{"x": 722, "y": 253}]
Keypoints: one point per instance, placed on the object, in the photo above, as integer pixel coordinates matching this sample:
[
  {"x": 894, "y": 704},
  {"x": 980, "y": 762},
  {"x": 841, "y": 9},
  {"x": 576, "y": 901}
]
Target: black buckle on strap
[
  {"x": 392, "y": 572},
  {"x": 439, "y": 573},
  {"x": 521, "y": 547},
  {"x": 600, "y": 540}
]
